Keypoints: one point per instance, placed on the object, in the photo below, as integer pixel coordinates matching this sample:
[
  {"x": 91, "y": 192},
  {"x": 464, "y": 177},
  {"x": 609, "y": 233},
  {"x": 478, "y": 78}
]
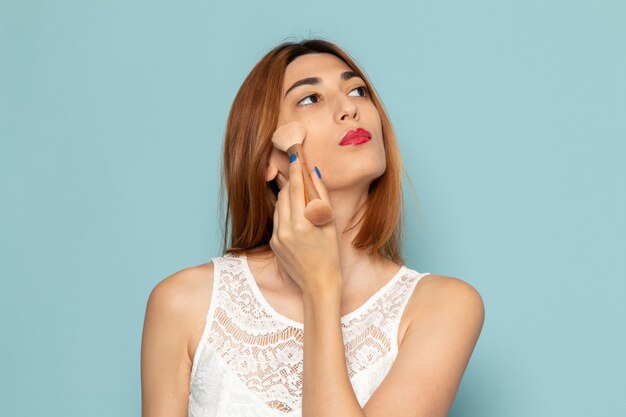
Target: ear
[
  {"x": 270, "y": 172},
  {"x": 277, "y": 164},
  {"x": 271, "y": 169}
]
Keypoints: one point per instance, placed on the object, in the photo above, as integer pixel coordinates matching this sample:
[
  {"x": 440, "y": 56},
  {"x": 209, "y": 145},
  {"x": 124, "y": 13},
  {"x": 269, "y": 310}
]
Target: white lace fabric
[{"x": 249, "y": 360}]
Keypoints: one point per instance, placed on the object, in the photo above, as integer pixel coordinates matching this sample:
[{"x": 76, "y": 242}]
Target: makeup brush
[{"x": 288, "y": 138}]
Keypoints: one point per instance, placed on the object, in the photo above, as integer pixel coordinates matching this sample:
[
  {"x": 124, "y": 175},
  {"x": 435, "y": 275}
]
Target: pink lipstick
[{"x": 356, "y": 137}]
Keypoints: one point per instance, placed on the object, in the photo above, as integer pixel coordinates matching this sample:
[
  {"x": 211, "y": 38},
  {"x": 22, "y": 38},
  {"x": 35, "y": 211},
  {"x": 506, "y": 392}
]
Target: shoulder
[
  {"x": 175, "y": 293},
  {"x": 447, "y": 315},
  {"x": 441, "y": 296},
  {"x": 442, "y": 288},
  {"x": 177, "y": 305},
  {"x": 173, "y": 314}
]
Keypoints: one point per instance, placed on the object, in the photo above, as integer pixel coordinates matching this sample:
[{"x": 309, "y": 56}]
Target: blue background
[{"x": 511, "y": 116}]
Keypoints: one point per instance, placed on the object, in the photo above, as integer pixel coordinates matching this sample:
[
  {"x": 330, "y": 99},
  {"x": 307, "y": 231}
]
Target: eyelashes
[{"x": 317, "y": 96}]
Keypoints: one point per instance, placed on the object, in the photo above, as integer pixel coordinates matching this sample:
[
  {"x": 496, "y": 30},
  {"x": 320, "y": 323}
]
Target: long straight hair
[{"x": 251, "y": 123}]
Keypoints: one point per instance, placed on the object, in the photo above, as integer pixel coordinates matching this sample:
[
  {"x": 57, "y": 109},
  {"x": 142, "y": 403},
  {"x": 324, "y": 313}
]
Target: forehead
[{"x": 320, "y": 65}]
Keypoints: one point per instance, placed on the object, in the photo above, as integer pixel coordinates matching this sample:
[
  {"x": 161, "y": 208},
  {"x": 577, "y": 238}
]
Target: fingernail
[
  {"x": 317, "y": 171},
  {"x": 292, "y": 158}
]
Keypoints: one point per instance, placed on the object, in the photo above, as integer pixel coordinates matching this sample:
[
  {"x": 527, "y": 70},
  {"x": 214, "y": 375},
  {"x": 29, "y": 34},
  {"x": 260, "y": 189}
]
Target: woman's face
[{"x": 329, "y": 107}]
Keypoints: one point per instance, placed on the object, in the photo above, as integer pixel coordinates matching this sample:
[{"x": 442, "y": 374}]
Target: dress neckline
[{"x": 344, "y": 319}]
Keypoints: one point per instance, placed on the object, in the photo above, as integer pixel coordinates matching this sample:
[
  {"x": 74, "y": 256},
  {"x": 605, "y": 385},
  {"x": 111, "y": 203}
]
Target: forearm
[{"x": 327, "y": 391}]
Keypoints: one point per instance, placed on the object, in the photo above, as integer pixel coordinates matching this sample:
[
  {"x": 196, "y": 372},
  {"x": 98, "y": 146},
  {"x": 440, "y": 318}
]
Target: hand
[
  {"x": 290, "y": 137},
  {"x": 309, "y": 253}
]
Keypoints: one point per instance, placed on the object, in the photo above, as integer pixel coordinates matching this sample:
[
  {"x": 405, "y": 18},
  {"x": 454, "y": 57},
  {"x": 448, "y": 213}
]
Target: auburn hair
[{"x": 252, "y": 120}]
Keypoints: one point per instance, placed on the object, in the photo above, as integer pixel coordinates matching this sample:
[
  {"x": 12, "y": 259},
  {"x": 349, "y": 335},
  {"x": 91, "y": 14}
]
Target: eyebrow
[{"x": 316, "y": 80}]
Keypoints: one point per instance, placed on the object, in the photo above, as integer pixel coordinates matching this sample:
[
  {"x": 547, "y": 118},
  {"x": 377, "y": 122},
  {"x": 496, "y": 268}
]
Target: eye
[
  {"x": 312, "y": 96},
  {"x": 363, "y": 90}
]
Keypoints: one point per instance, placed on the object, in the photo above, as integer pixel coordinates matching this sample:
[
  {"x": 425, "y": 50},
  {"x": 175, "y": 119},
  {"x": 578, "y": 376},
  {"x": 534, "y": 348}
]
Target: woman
[{"x": 227, "y": 338}]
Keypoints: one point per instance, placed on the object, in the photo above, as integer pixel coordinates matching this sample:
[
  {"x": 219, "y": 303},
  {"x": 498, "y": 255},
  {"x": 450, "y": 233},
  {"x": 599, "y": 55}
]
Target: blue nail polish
[
  {"x": 317, "y": 171},
  {"x": 292, "y": 158}
]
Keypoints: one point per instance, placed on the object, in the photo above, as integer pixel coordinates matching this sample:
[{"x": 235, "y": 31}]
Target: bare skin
[
  {"x": 327, "y": 111},
  {"x": 440, "y": 325},
  {"x": 176, "y": 312}
]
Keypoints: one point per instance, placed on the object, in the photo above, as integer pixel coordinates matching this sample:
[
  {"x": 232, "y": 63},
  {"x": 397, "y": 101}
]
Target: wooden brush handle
[{"x": 317, "y": 211}]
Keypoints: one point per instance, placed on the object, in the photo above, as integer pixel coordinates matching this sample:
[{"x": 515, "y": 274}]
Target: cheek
[
  {"x": 316, "y": 154},
  {"x": 317, "y": 141},
  {"x": 312, "y": 128}
]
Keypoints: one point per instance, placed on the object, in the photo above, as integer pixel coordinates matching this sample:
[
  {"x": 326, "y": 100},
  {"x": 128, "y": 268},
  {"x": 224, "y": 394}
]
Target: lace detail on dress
[
  {"x": 370, "y": 336},
  {"x": 266, "y": 355},
  {"x": 257, "y": 354}
]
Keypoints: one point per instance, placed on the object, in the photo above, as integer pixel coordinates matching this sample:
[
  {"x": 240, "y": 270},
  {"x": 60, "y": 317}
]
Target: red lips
[{"x": 356, "y": 137}]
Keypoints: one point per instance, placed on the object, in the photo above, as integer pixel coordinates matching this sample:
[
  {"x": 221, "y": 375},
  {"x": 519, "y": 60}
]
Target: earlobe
[
  {"x": 271, "y": 167},
  {"x": 270, "y": 172},
  {"x": 277, "y": 160}
]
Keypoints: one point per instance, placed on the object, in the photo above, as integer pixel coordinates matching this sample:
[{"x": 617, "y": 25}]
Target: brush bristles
[{"x": 289, "y": 135}]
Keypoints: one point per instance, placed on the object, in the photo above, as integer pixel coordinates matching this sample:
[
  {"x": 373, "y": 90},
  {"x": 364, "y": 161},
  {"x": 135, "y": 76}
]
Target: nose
[{"x": 346, "y": 109}]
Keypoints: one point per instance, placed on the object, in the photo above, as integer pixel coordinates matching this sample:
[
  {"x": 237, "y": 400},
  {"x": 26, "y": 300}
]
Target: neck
[
  {"x": 355, "y": 263},
  {"x": 347, "y": 205}
]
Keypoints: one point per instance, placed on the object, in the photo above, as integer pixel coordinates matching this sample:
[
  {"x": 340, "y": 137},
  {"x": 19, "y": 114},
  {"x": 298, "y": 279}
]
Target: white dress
[{"x": 249, "y": 360}]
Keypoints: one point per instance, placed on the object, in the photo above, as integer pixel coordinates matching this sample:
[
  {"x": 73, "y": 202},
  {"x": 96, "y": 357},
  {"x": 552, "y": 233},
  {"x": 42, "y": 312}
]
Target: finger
[
  {"x": 281, "y": 179},
  {"x": 320, "y": 187},
  {"x": 296, "y": 190},
  {"x": 284, "y": 211},
  {"x": 275, "y": 219}
]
